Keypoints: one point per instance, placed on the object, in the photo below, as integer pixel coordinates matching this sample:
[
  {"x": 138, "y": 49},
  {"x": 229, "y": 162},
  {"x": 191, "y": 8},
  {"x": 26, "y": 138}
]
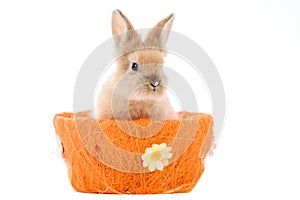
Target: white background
[{"x": 254, "y": 44}]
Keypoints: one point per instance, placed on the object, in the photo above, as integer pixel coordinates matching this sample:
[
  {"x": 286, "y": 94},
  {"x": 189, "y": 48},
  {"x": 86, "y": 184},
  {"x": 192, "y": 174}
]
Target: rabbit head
[{"x": 141, "y": 60}]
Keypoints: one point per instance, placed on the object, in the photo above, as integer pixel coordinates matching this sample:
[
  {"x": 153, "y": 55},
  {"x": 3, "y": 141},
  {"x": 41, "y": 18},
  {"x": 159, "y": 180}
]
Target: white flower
[{"x": 156, "y": 157}]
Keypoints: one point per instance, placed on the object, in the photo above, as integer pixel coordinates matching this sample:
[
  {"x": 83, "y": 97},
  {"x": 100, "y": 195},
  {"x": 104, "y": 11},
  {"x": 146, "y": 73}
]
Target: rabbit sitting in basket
[{"x": 138, "y": 87}]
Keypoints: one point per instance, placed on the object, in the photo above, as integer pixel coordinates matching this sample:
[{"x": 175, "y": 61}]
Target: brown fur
[{"x": 128, "y": 94}]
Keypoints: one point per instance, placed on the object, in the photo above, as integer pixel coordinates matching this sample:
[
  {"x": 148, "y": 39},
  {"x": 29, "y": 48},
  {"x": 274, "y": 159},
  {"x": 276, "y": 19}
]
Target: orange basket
[{"x": 106, "y": 156}]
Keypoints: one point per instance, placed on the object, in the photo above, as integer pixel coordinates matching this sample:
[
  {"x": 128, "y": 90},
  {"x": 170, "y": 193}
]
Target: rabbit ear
[
  {"x": 158, "y": 35},
  {"x": 120, "y": 25}
]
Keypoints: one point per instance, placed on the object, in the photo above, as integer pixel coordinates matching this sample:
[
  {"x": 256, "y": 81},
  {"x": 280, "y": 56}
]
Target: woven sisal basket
[{"x": 104, "y": 156}]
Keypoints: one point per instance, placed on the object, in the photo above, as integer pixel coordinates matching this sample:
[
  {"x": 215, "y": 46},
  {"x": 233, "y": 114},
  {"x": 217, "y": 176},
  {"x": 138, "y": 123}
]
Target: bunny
[{"x": 137, "y": 88}]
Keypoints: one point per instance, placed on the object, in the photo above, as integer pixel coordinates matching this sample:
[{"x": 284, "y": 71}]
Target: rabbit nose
[{"x": 154, "y": 83}]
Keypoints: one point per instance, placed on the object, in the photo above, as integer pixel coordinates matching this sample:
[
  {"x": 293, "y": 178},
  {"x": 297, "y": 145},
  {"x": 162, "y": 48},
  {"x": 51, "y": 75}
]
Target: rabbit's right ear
[
  {"x": 159, "y": 34},
  {"x": 120, "y": 26}
]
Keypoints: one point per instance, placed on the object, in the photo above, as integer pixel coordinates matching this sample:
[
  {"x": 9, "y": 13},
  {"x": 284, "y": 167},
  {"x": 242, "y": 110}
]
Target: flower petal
[
  {"x": 149, "y": 150},
  {"x": 151, "y": 166},
  {"x": 168, "y": 149},
  {"x": 164, "y": 151},
  {"x": 162, "y": 146},
  {"x": 159, "y": 165},
  {"x": 146, "y": 162},
  {"x": 168, "y": 155},
  {"x": 165, "y": 162},
  {"x": 146, "y": 156}
]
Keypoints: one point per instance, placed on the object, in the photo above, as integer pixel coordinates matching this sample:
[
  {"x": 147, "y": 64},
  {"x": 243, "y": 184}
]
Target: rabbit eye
[{"x": 134, "y": 66}]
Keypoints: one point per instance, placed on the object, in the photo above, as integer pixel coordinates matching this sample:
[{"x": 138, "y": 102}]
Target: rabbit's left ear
[
  {"x": 159, "y": 34},
  {"x": 121, "y": 26}
]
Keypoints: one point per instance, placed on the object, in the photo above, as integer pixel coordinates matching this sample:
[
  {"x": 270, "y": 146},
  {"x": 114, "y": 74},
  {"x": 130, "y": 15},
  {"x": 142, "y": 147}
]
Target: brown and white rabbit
[{"x": 137, "y": 88}]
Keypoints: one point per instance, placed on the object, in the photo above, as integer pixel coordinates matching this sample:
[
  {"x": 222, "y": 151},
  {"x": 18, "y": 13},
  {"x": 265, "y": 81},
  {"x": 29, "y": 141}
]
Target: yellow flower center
[{"x": 155, "y": 156}]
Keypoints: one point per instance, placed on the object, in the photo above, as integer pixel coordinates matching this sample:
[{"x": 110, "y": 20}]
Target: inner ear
[
  {"x": 158, "y": 35},
  {"x": 118, "y": 26},
  {"x": 166, "y": 23},
  {"x": 120, "y": 23}
]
